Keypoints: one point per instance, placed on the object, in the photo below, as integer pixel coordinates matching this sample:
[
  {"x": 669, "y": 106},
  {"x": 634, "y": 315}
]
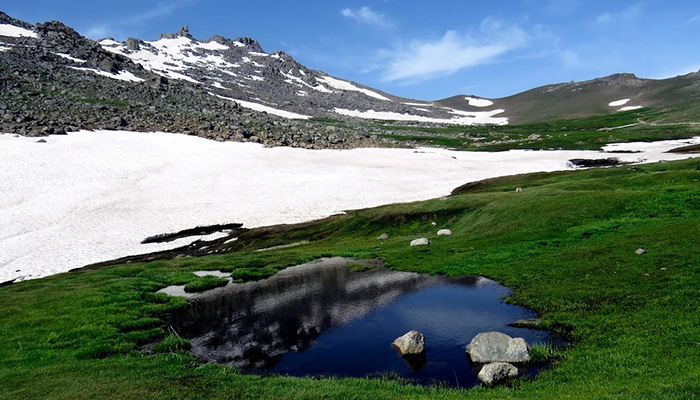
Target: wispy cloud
[
  {"x": 161, "y": 10},
  {"x": 111, "y": 28},
  {"x": 694, "y": 19},
  {"x": 628, "y": 14},
  {"x": 367, "y": 16},
  {"x": 422, "y": 60},
  {"x": 569, "y": 58}
]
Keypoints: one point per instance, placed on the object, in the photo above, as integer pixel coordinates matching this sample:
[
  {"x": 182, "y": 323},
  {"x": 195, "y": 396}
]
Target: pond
[{"x": 337, "y": 318}]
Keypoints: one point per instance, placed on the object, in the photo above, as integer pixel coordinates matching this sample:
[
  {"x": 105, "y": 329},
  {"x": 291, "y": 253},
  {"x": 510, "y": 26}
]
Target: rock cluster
[{"x": 497, "y": 351}]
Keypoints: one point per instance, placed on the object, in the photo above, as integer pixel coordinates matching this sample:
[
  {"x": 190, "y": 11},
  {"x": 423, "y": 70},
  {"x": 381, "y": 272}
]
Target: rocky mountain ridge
[{"x": 54, "y": 80}]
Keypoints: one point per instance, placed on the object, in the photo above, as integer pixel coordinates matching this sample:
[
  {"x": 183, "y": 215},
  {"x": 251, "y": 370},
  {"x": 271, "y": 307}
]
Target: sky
[{"x": 420, "y": 49}]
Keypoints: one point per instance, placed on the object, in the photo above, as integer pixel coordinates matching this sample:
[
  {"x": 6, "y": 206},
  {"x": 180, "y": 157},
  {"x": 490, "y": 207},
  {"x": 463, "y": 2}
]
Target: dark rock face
[
  {"x": 6, "y": 19},
  {"x": 600, "y": 162}
]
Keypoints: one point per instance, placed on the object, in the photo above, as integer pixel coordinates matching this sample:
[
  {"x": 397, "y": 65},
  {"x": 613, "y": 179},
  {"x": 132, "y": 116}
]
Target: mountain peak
[
  {"x": 183, "y": 32},
  {"x": 251, "y": 43}
]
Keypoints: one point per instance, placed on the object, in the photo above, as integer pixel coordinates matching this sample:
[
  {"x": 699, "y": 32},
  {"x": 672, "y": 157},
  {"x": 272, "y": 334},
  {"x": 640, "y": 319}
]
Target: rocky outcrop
[
  {"x": 412, "y": 343},
  {"x": 497, "y": 373},
  {"x": 488, "y": 347}
]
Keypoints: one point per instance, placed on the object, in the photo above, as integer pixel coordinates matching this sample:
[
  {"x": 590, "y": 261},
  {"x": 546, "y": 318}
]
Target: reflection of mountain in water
[{"x": 251, "y": 325}]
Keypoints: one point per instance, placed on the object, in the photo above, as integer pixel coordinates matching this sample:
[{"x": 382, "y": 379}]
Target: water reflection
[{"x": 324, "y": 319}]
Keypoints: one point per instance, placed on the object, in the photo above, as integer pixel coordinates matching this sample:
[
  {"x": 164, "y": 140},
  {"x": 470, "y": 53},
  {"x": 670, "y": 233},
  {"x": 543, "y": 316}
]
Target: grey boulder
[
  {"x": 412, "y": 342},
  {"x": 488, "y": 347},
  {"x": 498, "y": 372},
  {"x": 444, "y": 232}
]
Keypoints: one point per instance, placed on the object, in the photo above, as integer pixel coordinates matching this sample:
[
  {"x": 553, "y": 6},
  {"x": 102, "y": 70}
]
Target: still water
[{"x": 325, "y": 319}]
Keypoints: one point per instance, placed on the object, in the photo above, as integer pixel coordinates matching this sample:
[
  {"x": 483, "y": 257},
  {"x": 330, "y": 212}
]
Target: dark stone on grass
[{"x": 600, "y": 162}]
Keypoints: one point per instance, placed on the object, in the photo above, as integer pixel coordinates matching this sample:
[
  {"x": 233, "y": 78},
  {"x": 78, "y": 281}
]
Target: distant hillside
[{"x": 679, "y": 97}]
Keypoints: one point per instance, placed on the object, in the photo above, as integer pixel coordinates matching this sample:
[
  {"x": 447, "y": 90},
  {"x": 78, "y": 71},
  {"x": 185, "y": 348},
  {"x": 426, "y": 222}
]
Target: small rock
[
  {"x": 383, "y": 236},
  {"x": 420, "y": 242},
  {"x": 41, "y": 141},
  {"x": 518, "y": 190},
  {"x": 534, "y": 136},
  {"x": 444, "y": 232},
  {"x": 412, "y": 342},
  {"x": 498, "y": 372},
  {"x": 433, "y": 223},
  {"x": 488, "y": 347},
  {"x": 640, "y": 251}
]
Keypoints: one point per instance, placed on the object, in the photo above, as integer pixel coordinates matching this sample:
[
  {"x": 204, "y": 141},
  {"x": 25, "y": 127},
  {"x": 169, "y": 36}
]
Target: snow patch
[
  {"x": 267, "y": 109},
  {"x": 344, "y": 85},
  {"x": 109, "y": 42},
  {"x": 466, "y": 117},
  {"x": 5, "y": 48},
  {"x": 215, "y": 46},
  {"x": 629, "y": 108},
  {"x": 618, "y": 103},
  {"x": 69, "y": 57},
  {"x": 121, "y": 75},
  {"x": 16, "y": 31},
  {"x": 52, "y": 202},
  {"x": 476, "y": 102},
  {"x": 257, "y": 54}
]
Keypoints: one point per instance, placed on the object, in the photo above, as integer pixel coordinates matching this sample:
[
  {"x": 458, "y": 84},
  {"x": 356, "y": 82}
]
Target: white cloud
[
  {"x": 161, "y": 10},
  {"x": 113, "y": 27},
  {"x": 694, "y": 19},
  {"x": 423, "y": 60},
  {"x": 367, "y": 16},
  {"x": 628, "y": 14}
]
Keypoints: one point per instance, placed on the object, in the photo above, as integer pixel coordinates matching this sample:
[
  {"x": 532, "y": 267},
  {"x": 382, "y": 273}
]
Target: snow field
[{"x": 87, "y": 197}]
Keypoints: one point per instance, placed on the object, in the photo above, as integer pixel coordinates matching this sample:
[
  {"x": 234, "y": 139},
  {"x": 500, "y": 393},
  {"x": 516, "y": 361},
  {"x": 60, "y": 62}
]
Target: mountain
[
  {"x": 678, "y": 98},
  {"x": 54, "y": 80}
]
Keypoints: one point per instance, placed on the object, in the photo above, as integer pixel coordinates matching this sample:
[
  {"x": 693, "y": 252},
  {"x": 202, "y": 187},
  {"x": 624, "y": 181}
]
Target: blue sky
[{"x": 421, "y": 49}]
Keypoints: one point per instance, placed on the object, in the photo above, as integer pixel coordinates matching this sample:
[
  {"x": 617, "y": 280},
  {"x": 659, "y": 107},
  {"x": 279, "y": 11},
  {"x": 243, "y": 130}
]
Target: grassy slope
[
  {"x": 566, "y": 243},
  {"x": 571, "y": 134}
]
